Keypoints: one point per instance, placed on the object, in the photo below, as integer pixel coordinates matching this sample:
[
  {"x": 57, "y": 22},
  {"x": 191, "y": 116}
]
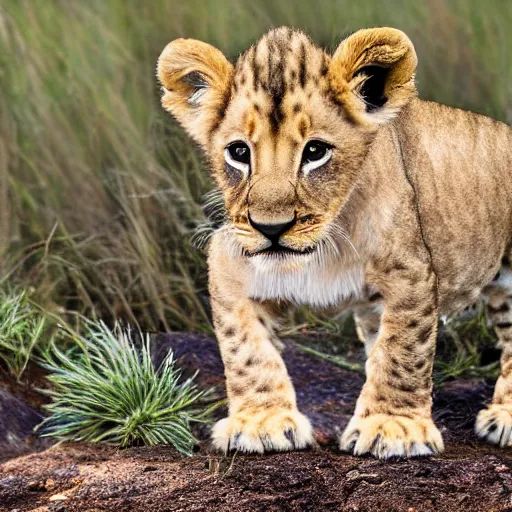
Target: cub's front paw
[
  {"x": 494, "y": 424},
  {"x": 386, "y": 436},
  {"x": 263, "y": 431}
]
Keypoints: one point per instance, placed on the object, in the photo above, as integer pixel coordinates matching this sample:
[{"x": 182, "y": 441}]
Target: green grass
[
  {"x": 100, "y": 190},
  {"x": 463, "y": 348},
  {"x": 22, "y": 328},
  {"x": 106, "y": 389},
  {"x": 337, "y": 360}
]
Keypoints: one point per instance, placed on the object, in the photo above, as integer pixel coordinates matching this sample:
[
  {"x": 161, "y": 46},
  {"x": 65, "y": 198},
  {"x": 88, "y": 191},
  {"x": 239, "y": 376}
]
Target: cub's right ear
[{"x": 196, "y": 80}]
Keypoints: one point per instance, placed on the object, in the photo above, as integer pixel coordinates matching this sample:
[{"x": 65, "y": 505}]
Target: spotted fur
[{"x": 409, "y": 219}]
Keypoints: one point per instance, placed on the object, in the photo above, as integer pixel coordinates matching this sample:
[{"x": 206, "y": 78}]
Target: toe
[
  {"x": 494, "y": 425},
  {"x": 248, "y": 444},
  {"x": 421, "y": 450},
  {"x": 221, "y": 438}
]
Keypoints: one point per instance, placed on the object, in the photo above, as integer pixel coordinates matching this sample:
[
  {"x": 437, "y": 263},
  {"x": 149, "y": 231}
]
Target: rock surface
[
  {"x": 469, "y": 476},
  {"x": 17, "y": 421}
]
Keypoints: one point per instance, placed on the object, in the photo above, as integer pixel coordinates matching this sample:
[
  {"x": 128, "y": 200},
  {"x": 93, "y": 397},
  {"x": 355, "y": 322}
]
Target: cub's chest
[{"x": 310, "y": 282}]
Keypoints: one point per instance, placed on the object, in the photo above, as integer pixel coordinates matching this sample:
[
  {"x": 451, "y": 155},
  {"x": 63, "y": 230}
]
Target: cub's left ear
[
  {"x": 372, "y": 74},
  {"x": 196, "y": 79}
]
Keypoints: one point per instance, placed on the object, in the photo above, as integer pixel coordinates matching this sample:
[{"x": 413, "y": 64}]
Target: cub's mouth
[{"x": 279, "y": 251}]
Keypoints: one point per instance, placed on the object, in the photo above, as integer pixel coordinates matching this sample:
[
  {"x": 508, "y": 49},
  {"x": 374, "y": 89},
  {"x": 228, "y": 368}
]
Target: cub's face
[{"x": 287, "y": 129}]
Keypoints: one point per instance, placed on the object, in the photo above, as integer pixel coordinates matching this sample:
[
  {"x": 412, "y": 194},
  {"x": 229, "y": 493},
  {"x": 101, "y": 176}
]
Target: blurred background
[{"x": 100, "y": 190}]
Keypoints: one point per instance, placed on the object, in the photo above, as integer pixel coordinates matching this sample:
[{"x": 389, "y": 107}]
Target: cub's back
[{"x": 460, "y": 165}]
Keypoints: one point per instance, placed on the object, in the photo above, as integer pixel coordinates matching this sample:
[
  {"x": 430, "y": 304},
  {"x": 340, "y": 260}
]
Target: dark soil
[{"x": 469, "y": 476}]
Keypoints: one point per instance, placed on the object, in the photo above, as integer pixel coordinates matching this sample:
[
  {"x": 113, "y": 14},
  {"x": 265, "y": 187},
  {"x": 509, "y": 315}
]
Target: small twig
[
  {"x": 230, "y": 467},
  {"x": 339, "y": 361}
]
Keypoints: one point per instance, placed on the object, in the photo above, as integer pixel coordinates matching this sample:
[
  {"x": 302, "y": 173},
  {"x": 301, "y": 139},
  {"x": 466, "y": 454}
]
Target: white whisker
[
  {"x": 216, "y": 215},
  {"x": 344, "y": 236}
]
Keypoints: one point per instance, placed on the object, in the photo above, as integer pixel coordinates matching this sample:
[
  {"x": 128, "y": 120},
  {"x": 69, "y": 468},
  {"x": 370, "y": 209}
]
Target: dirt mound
[{"x": 470, "y": 476}]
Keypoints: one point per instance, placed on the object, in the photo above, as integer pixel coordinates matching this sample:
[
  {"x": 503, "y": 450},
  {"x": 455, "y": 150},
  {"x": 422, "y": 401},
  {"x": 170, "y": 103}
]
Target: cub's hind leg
[
  {"x": 263, "y": 414},
  {"x": 367, "y": 319},
  {"x": 494, "y": 424}
]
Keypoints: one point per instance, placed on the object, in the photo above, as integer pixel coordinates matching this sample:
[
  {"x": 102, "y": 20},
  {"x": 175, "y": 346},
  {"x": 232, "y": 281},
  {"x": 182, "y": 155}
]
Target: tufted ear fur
[
  {"x": 196, "y": 79},
  {"x": 372, "y": 74}
]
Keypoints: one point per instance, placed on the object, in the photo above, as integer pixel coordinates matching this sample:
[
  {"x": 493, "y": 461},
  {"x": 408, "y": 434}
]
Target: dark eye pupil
[
  {"x": 314, "y": 151},
  {"x": 240, "y": 152}
]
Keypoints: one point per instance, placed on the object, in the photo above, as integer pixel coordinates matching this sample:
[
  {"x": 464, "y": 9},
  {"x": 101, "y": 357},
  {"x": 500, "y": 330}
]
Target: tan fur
[
  {"x": 409, "y": 219},
  {"x": 180, "y": 58},
  {"x": 382, "y": 46}
]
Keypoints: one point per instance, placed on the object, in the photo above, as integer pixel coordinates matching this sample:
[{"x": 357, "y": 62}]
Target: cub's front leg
[
  {"x": 393, "y": 413},
  {"x": 263, "y": 414}
]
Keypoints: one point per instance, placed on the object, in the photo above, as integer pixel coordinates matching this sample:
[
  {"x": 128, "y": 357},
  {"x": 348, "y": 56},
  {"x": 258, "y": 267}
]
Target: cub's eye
[
  {"x": 313, "y": 151},
  {"x": 315, "y": 154},
  {"x": 238, "y": 155},
  {"x": 240, "y": 152}
]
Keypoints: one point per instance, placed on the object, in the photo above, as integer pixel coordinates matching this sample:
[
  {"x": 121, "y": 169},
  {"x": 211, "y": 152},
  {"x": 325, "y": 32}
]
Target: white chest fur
[{"x": 305, "y": 280}]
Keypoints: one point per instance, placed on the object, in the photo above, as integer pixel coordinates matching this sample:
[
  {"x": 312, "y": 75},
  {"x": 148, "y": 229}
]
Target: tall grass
[{"x": 100, "y": 191}]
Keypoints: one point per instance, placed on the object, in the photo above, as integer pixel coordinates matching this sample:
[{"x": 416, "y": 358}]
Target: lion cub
[{"x": 344, "y": 189}]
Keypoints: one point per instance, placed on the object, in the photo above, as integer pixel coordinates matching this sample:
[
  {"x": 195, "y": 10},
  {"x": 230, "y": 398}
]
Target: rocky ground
[{"x": 470, "y": 476}]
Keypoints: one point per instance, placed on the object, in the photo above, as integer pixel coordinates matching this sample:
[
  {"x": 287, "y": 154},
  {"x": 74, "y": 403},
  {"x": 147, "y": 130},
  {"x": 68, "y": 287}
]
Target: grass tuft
[
  {"x": 108, "y": 390},
  {"x": 21, "y": 329}
]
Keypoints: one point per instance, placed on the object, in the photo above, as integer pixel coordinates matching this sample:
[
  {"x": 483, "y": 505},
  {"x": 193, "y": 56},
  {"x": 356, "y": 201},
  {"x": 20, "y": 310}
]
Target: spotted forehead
[{"x": 284, "y": 63}]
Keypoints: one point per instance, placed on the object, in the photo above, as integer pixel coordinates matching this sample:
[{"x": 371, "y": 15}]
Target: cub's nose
[{"x": 272, "y": 231}]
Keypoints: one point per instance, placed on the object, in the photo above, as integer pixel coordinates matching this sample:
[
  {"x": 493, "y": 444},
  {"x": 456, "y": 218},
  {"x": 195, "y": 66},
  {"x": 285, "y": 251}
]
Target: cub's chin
[{"x": 279, "y": 258}]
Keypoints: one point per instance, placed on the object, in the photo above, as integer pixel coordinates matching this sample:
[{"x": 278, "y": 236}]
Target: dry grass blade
[{"x": 337, "y": 360}]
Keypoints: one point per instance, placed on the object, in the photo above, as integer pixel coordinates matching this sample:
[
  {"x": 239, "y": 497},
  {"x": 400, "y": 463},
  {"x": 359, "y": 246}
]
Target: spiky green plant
[
  {"x": 108, "y": 390},
  {"x": 21, "y": 329}
]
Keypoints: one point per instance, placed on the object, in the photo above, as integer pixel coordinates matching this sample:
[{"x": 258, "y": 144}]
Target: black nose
[{"x": 272, "y": 231}]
